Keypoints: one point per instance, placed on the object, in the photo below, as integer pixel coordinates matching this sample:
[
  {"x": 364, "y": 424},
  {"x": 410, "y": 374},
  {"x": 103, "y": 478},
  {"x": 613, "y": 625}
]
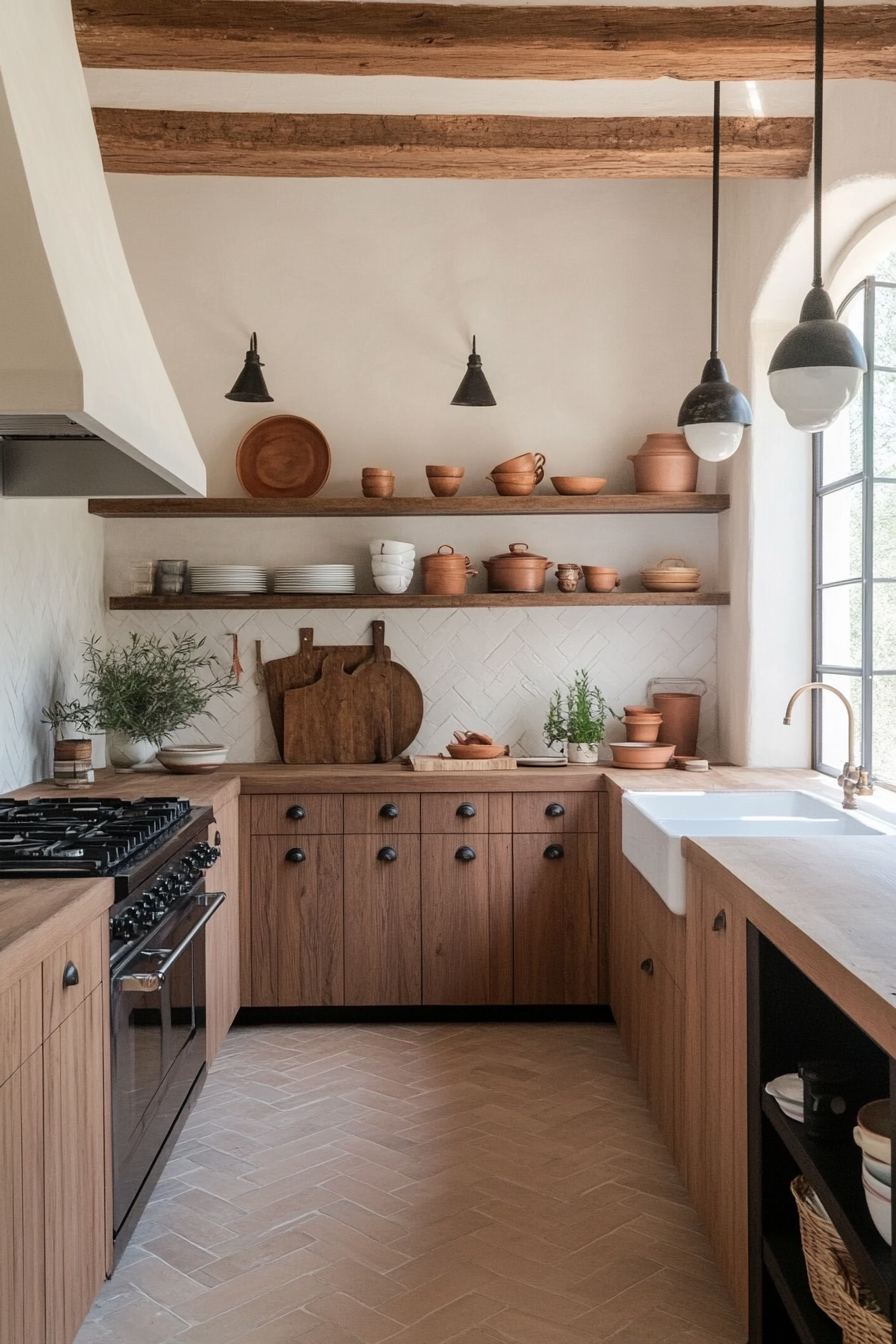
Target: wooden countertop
[
  {"x": 827, "y": 904},
  {"x": 39, "y": 914}
]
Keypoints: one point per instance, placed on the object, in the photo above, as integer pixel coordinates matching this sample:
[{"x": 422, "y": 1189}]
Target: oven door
[{"x": 158, "y": 1042}]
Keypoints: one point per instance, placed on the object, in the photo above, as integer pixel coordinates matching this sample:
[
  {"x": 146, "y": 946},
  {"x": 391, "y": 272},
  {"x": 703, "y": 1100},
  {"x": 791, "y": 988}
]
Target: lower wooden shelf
[
  {"x": 783, "y": 1257},
  {"x": 359, "y": 601}
]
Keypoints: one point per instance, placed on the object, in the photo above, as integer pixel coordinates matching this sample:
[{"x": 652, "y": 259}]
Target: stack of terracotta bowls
[
  {"x": 444, "y": 481},
  {"x": 518, "y": 475},
  {"x": 377, "y": 483},
  {"x": 445, "y": 574},
  {"x": 641, "y": 724},
  {"x": 672, "y": 575}
]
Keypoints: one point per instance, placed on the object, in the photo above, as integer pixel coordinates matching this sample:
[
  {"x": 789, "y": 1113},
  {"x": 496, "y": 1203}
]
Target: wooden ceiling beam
[
  {"x": 261, "y": 144},
  {"x": 379, "y": 37}
]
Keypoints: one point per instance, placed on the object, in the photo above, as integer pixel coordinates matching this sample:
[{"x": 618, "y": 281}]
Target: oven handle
[{"x": 148, "y": 982}]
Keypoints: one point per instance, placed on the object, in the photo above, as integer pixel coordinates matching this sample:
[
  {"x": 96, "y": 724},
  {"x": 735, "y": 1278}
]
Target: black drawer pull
[
  {"x": 720, "y": 923},
  {"x": 647, "y": 965},
  {"x": 554, "y": 852},
  {"x": 296, "y": 813},
  {"x": 465, "y": 854},
  {"x": 466, "y": 810},
  {"x": 389, "y": 811},
  {"x": 295, "y": 856},
  {"x": 555, "y": 810},
  {"x": 70, "y": 976},
  {"x": 218, "y": 839},
  {"x": 387, "y": 854}
]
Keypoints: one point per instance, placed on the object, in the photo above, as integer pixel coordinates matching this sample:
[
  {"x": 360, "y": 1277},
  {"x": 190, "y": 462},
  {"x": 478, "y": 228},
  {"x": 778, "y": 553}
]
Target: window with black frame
[{"x": 855, "y": 547}]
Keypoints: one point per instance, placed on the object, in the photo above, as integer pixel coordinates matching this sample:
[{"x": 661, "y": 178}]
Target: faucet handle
[{"x": 866, "y": 788}]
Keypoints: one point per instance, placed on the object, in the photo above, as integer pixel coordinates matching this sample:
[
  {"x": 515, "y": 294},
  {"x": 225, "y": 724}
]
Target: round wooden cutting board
[{"x": 283, "y": 456}]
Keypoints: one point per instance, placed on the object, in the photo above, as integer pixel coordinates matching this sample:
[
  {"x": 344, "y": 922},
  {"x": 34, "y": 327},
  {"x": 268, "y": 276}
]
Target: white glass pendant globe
[
  {"x": 714, "y": 442},
  {"x": 813, "y": 397}
]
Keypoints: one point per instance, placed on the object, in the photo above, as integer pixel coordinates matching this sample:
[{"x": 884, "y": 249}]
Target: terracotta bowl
[
  {"x": 376, "y": 488},
  {"x": 475, "y": 751},
  {"x": 641, "y": 755},
  {"x": 524, "y": 462},
  {"x": 377, "y": 471},
  {"x": 578, "y": 485},
  {"x": 445, "y": 471},
  {"x": 513, "y": 483},
  {"x": 443, "y": 486}
]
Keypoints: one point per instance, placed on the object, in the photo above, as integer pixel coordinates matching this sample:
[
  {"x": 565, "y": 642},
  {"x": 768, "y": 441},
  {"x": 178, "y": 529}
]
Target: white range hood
[{"x": 86, "y": 406}]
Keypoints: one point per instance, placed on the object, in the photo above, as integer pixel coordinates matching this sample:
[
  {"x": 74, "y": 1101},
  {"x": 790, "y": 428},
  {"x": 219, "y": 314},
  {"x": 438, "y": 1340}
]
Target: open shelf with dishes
[
  {"x": 525, "y": 506},
  {"x": 364, "y": 601},
  {"x": 793, "y": 1022}
]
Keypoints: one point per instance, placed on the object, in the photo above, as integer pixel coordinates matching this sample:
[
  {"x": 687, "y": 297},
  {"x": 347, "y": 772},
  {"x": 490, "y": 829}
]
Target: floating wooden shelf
[
  {"x": 310, "y": 601},
  {"x": 410, "y": 506}
]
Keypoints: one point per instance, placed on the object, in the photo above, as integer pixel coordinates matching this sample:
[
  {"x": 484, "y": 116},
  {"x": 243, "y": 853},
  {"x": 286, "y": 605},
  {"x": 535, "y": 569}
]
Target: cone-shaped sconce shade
[
  {"x": 250, "y": 384},
  {"x": 713, "y": 415},
  {"x": 817, "y": 369},
  {"x": 473, "y": 390}
]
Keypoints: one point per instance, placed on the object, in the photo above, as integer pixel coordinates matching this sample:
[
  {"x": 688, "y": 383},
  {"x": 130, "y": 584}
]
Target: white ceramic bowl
[
  {"x": 196, "y": 758},
  {"x": 391, "y": 547},
  {"x": 392, "y": 583},
  {"x": 391, "y": 567},
  {"x": 873, "y": 1145},
  {"x": 879, "y": 1187},
  {"x": 880, "y": 1210},
  {"x": 882, "y": 1171}
]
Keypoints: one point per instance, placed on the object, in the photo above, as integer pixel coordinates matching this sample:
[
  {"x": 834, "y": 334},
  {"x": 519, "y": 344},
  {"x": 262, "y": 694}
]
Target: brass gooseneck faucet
[{"x": 854, "y": 779}]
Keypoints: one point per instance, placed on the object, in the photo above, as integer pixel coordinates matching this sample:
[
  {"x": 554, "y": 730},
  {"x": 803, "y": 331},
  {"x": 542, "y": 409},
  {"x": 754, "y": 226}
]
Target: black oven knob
[
  {"x": 123, "y": 927},
  {"x": 205, "y": 855}
]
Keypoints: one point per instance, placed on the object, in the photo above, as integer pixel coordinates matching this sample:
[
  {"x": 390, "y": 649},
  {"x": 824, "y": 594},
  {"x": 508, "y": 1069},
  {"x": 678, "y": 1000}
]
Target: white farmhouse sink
[{"x": 653, "y": 824}]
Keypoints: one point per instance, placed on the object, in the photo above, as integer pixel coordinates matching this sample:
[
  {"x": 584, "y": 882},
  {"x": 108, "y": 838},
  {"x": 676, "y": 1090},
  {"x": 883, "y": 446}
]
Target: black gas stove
[{"x": 127, "y": 839}]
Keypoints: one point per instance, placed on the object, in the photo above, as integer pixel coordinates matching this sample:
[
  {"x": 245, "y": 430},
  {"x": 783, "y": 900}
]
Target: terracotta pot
[
  {"x": 445, "y": 573},
  {"x": 568, "y": 577},
  {"x": 640, "y": 728},
  {"x": 664, "y": 464},
  {"x": 600, "y": 579},
  {"x": 633, "y": 711},
  {"x": 517, "y": 571},
  {"x": 641, "y": 755},
  {"x": 525, "y": 462},
  {"x": 681, "y": 719}
]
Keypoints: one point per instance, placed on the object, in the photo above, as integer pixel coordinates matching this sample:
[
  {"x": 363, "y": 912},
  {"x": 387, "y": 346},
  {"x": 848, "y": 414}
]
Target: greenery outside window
[{"x": 855, "y": 547}]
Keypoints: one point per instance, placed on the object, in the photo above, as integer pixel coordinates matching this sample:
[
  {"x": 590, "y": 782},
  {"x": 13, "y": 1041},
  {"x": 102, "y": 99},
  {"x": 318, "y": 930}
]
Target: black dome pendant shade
[
  {"x": 817, "y": 368},
  {"x": 473, "y": 390},
  {"x": 250, "y": 385},
  {"x": 714, "y": 414}
]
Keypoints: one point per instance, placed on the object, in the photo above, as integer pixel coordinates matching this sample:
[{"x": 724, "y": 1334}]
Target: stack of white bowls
[
  {"x": 315, "y": 579},
  {"x": 392, "y": 563},
  {"x": 872, "y": 1134},
  {"x": 228, "y": 579}
]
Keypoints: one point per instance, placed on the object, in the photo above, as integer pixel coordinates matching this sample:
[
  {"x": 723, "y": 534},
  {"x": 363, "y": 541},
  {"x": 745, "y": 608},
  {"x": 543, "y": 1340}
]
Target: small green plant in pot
[
  {"x": 72, "y": 755},
  {"x": 144, "y": 690},
  {"x": 578, "y": 718}
]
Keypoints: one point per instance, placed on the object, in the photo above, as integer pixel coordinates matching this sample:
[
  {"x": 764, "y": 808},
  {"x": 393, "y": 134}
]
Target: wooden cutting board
[{"x": 370, "y": 708}]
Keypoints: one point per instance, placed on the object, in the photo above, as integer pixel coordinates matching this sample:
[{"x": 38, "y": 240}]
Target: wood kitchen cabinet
[
  {"x": 659, "y": 1028},
  {"x": 297, "y": 920},
  {"x": 222, "y": 939},
  {"x": 555, "y": 936},
  {"x": 382, "y": 919},
  {"x": 22, "y": 1204},
  {"x": 455, "y": 919}
]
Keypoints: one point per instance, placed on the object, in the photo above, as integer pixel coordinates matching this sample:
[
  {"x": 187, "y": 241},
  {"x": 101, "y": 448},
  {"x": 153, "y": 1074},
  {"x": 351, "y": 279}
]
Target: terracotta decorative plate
[{"x": 283, "y": 456}]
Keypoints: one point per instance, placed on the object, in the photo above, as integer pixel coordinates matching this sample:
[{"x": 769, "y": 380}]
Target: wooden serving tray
[{"x": 432, "y": 763}]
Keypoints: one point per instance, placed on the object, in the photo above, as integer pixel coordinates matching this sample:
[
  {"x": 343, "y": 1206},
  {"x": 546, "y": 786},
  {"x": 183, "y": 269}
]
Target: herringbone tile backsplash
[{"x": 487, "y": 668}]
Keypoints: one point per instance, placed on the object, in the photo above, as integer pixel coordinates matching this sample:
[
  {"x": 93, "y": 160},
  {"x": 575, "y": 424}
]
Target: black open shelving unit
[{"x": 790, "y": 1021}]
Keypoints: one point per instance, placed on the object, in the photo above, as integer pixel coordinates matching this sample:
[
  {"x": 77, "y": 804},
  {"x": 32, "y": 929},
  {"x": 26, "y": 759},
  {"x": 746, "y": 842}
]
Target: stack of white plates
[
  {"x": 228, "y": 579},
  {"x": 315, "y": 579}
]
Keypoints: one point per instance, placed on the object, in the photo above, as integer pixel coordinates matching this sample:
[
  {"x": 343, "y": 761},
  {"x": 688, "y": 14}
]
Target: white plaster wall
[{"x": 51, "y": 560}]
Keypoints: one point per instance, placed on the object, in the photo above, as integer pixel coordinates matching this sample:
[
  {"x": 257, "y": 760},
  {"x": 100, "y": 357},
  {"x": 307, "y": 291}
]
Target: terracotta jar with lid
[
  {"x": 445, "y": 573},
  {"x": 517, "y": 570},
  {"x": 664, "y": 464}
]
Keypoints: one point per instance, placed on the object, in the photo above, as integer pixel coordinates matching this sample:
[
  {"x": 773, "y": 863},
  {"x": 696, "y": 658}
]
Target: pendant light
[
  {"x": 250, "y": 385},
  {"x": 817, "y": 369},
  {"x": 473, "y": 390},
  {"x": 715, "y": 413}
]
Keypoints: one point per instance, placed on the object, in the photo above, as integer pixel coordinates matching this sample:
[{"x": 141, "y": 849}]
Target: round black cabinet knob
[
  {"x": 465, "y": 854},
  {"x": 555, "y": 810},
  {"x": 554, "y": 852},
  {"x": 296, "y": 813},
  {"x": 389, "y": 810},
  {"x": 70, "y": 975},
  {"x": 295, "y": 856},
  {"x": 647, "y": 965},
  {"x": 466, "y": 810},
  {"x": 387, "y": 854}
]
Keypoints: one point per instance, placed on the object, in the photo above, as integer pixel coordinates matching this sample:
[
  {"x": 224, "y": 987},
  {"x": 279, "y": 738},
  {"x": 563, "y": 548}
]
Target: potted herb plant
[
  {"x": 143, "y": 690},
  {"x": 578, "y": 718},
  {"x": 72, "y": 756}
]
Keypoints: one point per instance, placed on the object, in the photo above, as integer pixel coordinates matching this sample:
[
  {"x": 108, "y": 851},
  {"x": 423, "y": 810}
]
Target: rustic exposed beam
[
  {"x": 261, "y": 144},
  {"x": 378, "y": 37}
]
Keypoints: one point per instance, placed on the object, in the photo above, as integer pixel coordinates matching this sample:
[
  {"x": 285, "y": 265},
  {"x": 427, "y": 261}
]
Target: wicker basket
[{"x": 833, "y": 1278}]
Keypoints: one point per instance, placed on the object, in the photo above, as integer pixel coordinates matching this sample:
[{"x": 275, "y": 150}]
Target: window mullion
[{"x": 865, "y": 753}]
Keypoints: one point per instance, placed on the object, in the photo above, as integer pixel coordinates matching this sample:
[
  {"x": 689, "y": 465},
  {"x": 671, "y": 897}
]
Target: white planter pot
[
  {"x": 583, "y": 753},
  {"x": 126, "y": 752}
]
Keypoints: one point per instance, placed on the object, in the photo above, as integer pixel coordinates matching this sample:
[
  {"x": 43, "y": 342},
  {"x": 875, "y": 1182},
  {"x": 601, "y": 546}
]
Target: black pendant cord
[
  {"x": 716, "y": 155},
  {"x": 817, "y": 282}
]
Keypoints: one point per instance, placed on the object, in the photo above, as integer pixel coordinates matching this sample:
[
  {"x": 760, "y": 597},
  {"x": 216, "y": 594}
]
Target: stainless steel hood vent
[{"x": 86, "y": 406}]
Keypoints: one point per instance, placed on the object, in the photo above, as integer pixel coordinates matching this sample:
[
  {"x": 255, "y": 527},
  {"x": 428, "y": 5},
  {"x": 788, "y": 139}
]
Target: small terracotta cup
[
  {"x": 377, "y": 484},
  {"x": 600, "y": 579},
  {"x": 568, "y": 577},
  {"x": 444, "y": 481}
]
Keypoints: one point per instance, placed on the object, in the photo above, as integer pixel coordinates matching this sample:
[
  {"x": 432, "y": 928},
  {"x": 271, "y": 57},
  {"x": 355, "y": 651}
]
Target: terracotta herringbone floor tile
[{"x": 432, "y": 1184}]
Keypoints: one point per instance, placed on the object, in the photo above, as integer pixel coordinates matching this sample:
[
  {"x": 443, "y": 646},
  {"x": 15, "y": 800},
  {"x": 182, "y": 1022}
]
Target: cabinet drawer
[
  {"x": 539, "y": 812},
  {"x": 21, "y": 1022},
  {"x": 382, "y": 813},
  {"x": 87, "y": 951},
  {"x": 297, "y": 814},
  {"x": 454, "y": 813}
]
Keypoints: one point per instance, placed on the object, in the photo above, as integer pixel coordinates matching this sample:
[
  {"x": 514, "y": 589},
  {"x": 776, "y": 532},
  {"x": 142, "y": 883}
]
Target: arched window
[{"x": 855, "y": 545}]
